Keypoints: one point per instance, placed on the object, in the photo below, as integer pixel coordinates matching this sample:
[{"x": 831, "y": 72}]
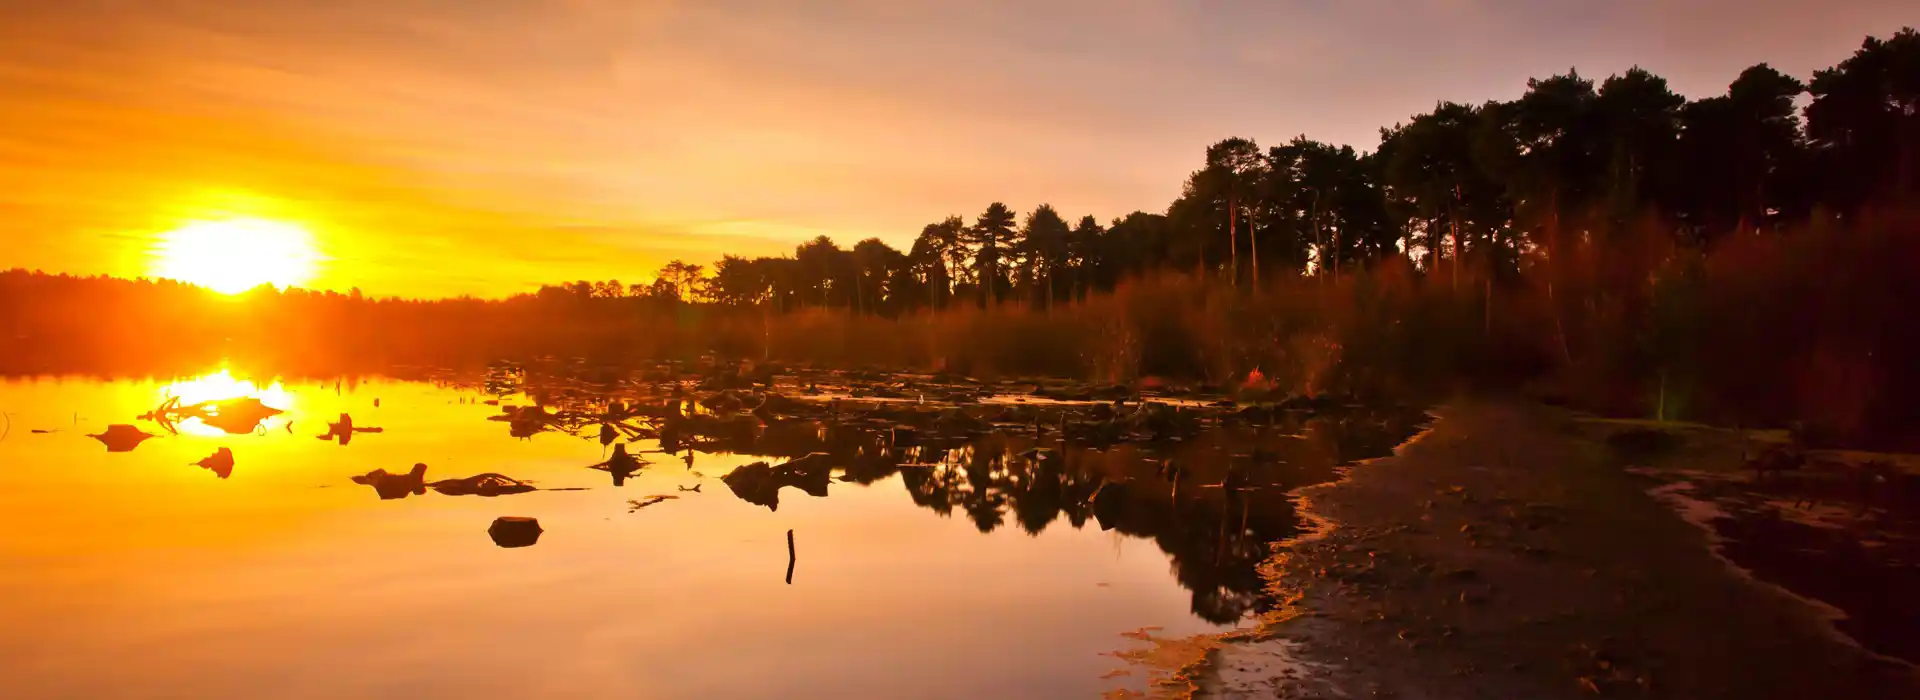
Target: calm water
[{"x": 137, "y": 574}]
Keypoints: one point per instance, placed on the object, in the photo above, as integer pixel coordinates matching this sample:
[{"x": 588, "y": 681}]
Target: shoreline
[{"x": 1497, "y": 553}]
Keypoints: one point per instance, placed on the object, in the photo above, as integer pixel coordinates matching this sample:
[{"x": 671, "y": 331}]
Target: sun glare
[
  {"x": 221, "y": 386},
  {"x": 235, "y": 255}
]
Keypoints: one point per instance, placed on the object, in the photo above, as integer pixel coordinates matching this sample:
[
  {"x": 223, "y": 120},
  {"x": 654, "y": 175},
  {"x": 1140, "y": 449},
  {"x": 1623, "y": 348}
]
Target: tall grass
[
  {"x": 1817, "y": 326},
  {"x": 1378, "y": 331}
]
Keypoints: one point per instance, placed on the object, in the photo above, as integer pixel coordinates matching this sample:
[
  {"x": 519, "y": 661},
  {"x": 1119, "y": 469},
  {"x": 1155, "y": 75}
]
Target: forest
[{"x": 1743, "y": 257}]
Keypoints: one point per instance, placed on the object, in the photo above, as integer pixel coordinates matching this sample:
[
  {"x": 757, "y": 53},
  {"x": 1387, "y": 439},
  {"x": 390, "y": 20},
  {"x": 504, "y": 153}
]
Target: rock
[{"x": 514, "y": 531}]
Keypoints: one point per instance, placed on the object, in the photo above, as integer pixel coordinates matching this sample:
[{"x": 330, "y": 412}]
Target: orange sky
[{"x": 439, "y": 147}]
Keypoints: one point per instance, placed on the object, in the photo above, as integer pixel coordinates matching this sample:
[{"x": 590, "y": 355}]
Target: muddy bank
[{"x": 1505, "y": 554}]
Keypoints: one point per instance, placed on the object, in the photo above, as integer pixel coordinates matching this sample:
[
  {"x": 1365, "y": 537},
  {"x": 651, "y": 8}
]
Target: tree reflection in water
[{"x": 1213, "y": 495}]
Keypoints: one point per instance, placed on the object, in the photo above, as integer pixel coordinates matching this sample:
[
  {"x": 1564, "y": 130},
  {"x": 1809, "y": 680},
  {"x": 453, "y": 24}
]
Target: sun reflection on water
[{"x": 221, "y": 386}]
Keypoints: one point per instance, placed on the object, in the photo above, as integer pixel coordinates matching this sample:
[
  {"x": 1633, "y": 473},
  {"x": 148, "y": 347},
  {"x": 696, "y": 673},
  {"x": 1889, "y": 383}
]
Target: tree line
[{"x": 1490, "y": 186}]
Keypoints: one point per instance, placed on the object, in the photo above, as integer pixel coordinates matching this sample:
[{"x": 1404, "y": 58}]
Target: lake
[{"x": 958, "y": 568}]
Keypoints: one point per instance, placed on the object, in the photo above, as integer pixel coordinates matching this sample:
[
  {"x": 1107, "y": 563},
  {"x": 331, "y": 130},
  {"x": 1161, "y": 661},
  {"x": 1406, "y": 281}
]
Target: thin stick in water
[{"x": 790, "y": 557}]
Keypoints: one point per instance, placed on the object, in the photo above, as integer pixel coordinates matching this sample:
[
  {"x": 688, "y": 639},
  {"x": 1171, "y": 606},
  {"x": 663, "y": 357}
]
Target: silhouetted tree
[
  {"x": 992, "y": 239},
  {"x": 1044, "y": 251},
  {"x": 937, "y": 252},
  {"x": 875, "y": 264},
  {"x": 1741, "y": 162},
  {"x": 1864, "y": 122},
  {"x": 1084, "y": 247}
]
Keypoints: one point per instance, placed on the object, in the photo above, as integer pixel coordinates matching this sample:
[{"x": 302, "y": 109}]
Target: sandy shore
[{"x": 1502, "y": 554}]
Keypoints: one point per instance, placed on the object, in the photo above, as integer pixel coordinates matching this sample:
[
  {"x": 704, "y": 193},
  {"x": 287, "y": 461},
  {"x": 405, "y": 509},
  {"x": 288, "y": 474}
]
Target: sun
[{"x": 234, "y": 255}]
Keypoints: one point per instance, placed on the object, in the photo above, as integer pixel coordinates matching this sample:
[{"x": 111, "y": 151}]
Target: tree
[
  {"x": 1541, "y": 149},
  {"x": 738, "y": 281},
  {"x": 686, "y": 281},
  {"x": 1085, "y": 247},
  {"x": 1044, "y": 250},
  {"x": 1321, "y": 198},
  {"x": 610, "y": 289},
  {"x": 874, "y": 263},
  {"x": 826, "y": 273},
  {"x": 992, "y": 238},
  {"x": 938, "y": 254},
  {"x": 1864, "y": 122},
  {"x": 1435, "y": 175},
  {"x": 1741, "y": 160},
  {"x": 1210, "y": 209},
  {"x": 1131, "y": 244},
  {"x": 1638, "y": 125}
]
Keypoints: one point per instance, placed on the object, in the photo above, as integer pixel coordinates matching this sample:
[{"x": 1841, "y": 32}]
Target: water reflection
[
  {"x": 621, "y": 465},
  {"x": 219, "y": 403},
  {"x": 511, "y": 532},
  {"x": 1207, "y": 485},
  {"x": 1212, "y": 502},
  {"x": 390, "y": 486},
  {"x": 1096, "y": 512},
  {"x": 220, "y": 463},
  {"x": 343, "y": 430},
  {"x": 121, "y": 437},
  {"x": 395, "y": 486}
]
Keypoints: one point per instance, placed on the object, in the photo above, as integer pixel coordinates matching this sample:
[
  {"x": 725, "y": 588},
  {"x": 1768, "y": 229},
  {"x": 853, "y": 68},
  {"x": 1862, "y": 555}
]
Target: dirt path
[{"x": 1501, "y": 555}]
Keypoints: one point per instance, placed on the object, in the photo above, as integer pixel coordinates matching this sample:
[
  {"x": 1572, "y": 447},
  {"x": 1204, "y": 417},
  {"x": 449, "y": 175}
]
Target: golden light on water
[
  {"x": 220, "y": 386},
  {"x": 235, "y": 255}
]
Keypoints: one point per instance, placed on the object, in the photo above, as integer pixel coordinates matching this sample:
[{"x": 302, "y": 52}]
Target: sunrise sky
[{"x": 440, "y": 147}]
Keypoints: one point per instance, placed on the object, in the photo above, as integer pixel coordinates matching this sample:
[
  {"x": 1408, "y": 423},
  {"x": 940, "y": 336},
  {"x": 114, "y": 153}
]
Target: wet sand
[{"x": 1505, "y": 554}]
